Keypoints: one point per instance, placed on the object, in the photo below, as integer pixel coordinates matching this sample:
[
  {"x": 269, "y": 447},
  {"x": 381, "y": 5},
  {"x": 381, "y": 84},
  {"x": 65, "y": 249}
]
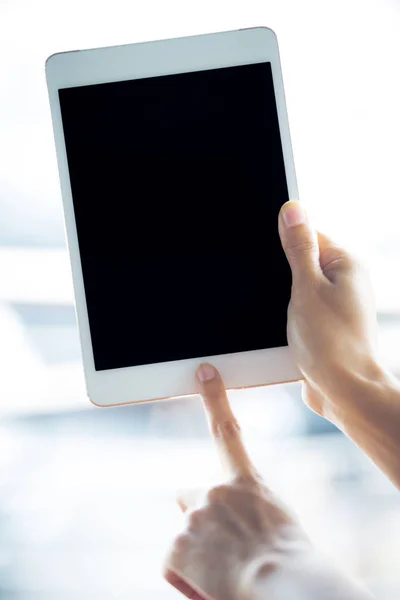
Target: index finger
[{"x": 223, "y": 424}]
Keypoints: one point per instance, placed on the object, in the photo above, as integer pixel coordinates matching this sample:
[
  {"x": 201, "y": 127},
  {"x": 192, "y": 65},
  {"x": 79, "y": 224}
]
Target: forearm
[{"x": 369, "y": 413}]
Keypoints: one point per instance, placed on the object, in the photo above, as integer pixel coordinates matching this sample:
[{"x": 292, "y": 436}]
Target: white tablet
[{"x": 174, "y": 160}]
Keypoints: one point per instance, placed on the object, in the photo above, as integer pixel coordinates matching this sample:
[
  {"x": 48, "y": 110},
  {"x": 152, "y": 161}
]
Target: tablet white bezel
[{"x": 102, "y": 65}]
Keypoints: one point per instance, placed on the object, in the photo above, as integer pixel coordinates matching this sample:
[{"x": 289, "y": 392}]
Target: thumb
[{"x": 299, "y": 241}]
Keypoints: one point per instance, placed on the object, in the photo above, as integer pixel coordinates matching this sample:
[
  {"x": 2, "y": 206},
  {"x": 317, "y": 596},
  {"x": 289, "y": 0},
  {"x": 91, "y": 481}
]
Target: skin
[
  {"x": 332, "y": 332},
  {"x": 240, "y": 542}
]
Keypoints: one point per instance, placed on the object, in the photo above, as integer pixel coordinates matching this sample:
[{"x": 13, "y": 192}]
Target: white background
[{"x": 85, "y": 508}]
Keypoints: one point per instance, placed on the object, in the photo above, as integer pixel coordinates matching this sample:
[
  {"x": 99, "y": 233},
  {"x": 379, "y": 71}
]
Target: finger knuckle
[
  {"x": 181, "y": 542},
  {"x": 217, "y": 494},
  {"x": 196, "y": 518},
  {"x": 228, "y": 429},
  {"x": 338, "y": 259},
  {"x": 339, "y": 262},
  {"x": 300, "y": 247},
  {"x": 249, "y": 479}
]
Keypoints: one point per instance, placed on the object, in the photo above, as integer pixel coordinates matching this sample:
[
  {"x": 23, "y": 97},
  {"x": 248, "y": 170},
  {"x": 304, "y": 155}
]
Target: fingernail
[
  {"x": 293, "y": 214},
  {"x": 206, "y": 372}
]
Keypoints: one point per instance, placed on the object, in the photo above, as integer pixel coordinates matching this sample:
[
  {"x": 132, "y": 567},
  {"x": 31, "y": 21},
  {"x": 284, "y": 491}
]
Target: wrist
[
  {"x": 308, "y": 576},
  {"x": 369, "y": 414},
  {"x": 255, "y": 581},
  {"x": 292, "y": 546},
  {"x": 358, "y": 391}
]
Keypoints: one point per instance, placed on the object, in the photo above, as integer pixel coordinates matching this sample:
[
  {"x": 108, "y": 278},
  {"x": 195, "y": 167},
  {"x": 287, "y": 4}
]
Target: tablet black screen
[{"x": 177, "y": 182}]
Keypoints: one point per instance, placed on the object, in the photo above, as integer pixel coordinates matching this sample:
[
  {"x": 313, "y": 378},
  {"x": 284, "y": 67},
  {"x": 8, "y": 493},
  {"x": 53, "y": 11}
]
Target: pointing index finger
[{"x": 224, "y": 427}]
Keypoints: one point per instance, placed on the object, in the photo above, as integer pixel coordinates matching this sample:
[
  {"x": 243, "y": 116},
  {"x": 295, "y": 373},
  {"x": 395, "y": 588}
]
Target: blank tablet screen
[{"x": 177, "y": 182}]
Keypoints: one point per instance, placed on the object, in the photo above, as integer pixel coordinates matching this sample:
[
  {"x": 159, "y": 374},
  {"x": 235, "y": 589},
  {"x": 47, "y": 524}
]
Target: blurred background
[{"x": 87, "y": 495}]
